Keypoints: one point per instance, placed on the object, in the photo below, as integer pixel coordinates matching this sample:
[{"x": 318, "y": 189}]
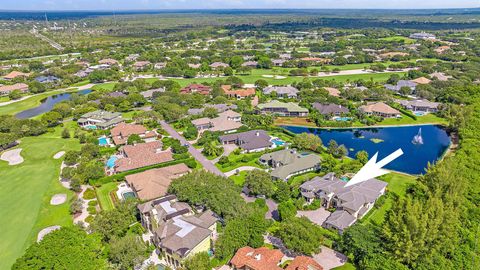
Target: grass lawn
[
  {"x": 406, "y": 40},
  {"x": 236, "y": 161},
  {"x": 103, "y": 195},
  {"x": 293, "y": 121},
  {"x": 81, "y": 83},
  {"x": 405, "y": 120},
  {"x": 239, "y": 179},
  {"x": 26, "y": 191},
  {"x": 347, "y": 266}
]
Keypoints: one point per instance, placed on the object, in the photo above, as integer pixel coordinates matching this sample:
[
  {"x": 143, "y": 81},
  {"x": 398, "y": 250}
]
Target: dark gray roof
[
  {"x": 329, "y": 108},
  {"x": 340, "y": 219},
  {"x": 249, "y": 140},
  {"x": 400, "y": 84}
]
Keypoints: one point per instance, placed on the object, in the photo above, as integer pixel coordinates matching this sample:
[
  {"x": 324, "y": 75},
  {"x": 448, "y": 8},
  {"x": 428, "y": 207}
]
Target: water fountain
[{"x": 417, "y": 139}]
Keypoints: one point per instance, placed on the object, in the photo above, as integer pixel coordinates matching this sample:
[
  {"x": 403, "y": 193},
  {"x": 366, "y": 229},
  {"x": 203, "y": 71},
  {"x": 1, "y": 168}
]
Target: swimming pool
[
  {"x": 343, "y": 119},
  {"x": 419, "y": 113},
  {"x": 92, "y": 127},
  {"x": 111, "y": 161},
  {"x": 102, "y": 141},
  {"x": 127, "y": 195},
  {"x": 278, "y": 142}
]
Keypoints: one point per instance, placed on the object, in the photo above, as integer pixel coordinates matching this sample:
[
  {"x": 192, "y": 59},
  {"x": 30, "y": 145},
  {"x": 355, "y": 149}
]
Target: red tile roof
[
  {"x": 15, "y": 74},
  {"x": 142, "y": 155},
  {"x": 246, "y": 92},
  {"x": 257, "y": 259},
  {"x": 304, "y": 263},
  {"x": 196, "y": 88},
  {"x": 122, "y": 131}
]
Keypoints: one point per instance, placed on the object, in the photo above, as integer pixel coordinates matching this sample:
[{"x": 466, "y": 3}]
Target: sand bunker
[
  {"x": 267, "y": 76},
  {"x": 58, "y": 199},
  {"x": 59, "y": 155},
  {"x": 12, "y": 157},
  {"x": 46, "y": 231},
  {"x": 278, "y": 77}
]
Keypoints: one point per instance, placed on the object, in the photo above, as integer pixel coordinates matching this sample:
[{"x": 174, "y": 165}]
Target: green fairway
[
  {"x": 103, "y": 195},
  {"x": 26, "y": 191},
  {"x": 399, "y": 39},
  {"x": 405, "y": 120}
]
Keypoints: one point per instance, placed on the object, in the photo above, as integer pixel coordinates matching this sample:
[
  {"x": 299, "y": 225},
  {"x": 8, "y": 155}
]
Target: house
[
  {"x": 316, "y": 60},
  {"x": 303, "y": 263},
  {"x": 141, "y": 155},
  {"x": 281, "y": 91},
  {"x": 6, "y": 89},
  {"x": 442, "y": 49},
  {"x": 219, "y": 107},
  {"x": 247, "y": 258},
  {"x": 334, "y": 92},
  {"x": 228, "y": 121},
  {"x": 109, "y": 62},
  {"x": 154, "y": 183},
  {"x": 160, "y": 65},
  {"x": 351, "y": 203},
  {"x": 282, "y": 109},
  {"x": 392, "y": 54},
  {"x": 440, "y": 76},
  {"x": 420, "y": 105},
  {"x": 252, "y": 64},
  {"x": 286, "y": 56},
  {"x": 47, "y": 79},
  {"x": 178, "y": 232},
  {"x": 249, "y": 141},
  {"x": 117, "y": 94},
  {"x": 238, "y": 93},
  {"x": 278, "y": 62},
  {"x": 149, "y": 94},
  {"x": 196, "y": 88},
  {"x": 83, "y": 73},
  {"x": 421, "y": 80},
  {"x": 141, "y": 65},
  {"x": 100, "y": 120},
  {"x": 194, "y": 66},
  {"x": 330, "y": 109},
  {"x": 15, "y": 74},
  {"x": 287, "y": 163},
  {"x": 402, "y": 83},
  {"x": 122, "y": 131},
  {"x": 423, "y": 35},
  {"x": 132, "y": 57},
  {"x": 379, "y": 109},
  {"x": 217, "y": 65}
]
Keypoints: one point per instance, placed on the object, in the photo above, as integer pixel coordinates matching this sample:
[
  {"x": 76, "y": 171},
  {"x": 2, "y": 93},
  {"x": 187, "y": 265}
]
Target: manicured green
[
  {"x": 347, "y": 266},
  {"x": 405, "y": 120},
  {"x": 26, "y": 192},
  {"x": 103, "y": 195}
]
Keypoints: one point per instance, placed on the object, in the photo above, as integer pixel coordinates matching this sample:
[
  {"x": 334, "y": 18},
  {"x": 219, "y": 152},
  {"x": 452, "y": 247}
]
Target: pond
[
  {"x": 47, "y": 104},
  {"x": 386, "y": 140}
]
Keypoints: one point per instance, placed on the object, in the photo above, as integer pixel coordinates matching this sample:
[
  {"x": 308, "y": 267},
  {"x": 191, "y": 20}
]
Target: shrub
[
  {"x": 92, "y": 210},
  {"x": 89, "y": 219},
  {"x": 223, "y": 160},
  {"x": 89, "y": 194},
  {"x": 76, "y": 206},
  {"x": 93, "y": 203},
  {"x": 191, "y": 163}
]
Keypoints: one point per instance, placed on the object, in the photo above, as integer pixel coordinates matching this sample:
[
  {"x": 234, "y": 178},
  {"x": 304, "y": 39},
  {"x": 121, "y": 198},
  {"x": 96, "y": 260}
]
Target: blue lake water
[
  {"x": 47, "y": 104},
  {"x": 415, "y": 158}
]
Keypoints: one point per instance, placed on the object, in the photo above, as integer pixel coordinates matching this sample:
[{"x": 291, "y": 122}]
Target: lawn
[
  {"x": 399, "y": 38},
  {"x": 103, "y": 195},
  {"x": 26, "y": 191},
  {"x": 347, "y": 266},
  {"x": 236, "y": 161},
  {"x": 294, "y": 121},
  {"x": 405, "y": 120},
  {"x": 239, "y": 179}
]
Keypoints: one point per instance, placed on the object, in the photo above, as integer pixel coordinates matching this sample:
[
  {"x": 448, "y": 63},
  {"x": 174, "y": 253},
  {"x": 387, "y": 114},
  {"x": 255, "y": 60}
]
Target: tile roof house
[
  {"x": 149, "y": 94},
  {"x": 108, "y": 61},
  {"x": 141, "y": 155},
  {"x": 177, "y": 231},
  {"x": 47, "y": 79},
  {"x": 196, "y": 88},
  {"x": 154, "y": 183},
  {"x": 100, "y": 119},
  {"x": 228, "y": 121},
  {"x": 14, "y": 74},
  {"x": 247, "y": 258},
  {"x": 282, "y": 109},
  {"x": 278, "y": 62},
  {"x": 330, "y": 109},
  {"x": 141, "y": 65},
  {"x": 419, "y": 105},
  {"x": 440, "y": 76},
  {"x": 351, "y": 202},
  {"x": 303, "y": 263},
  {"x": 6, "y": 89},
  {"x": 238, "y": 93},
  {"x": 216, "y": 65},
  {"x": 422, "y": 80},
  {"x": 122, "y": 131},
  {"x": 402, "y": 83},
  {"x": 287, "y": 163},
  {"x": 250, "y": 64},
  {"x": 249, "y": 141},
  {"x": 379, "y": 109},
  {"x": 281, "y": 91},
  {"x": 334, "y": 92},
  {"x": 219, "y": 107}
]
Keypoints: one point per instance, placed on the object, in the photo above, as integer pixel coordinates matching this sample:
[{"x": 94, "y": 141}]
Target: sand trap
[
  {"x": 58, "y": 199},
  {"x": 46, "y": 231},
  {"x": 12, "y": 157},
  {"x": 267, "y": 76},
  {"x": 59, "y": 155},
  {"x": 278, "y": 77}
]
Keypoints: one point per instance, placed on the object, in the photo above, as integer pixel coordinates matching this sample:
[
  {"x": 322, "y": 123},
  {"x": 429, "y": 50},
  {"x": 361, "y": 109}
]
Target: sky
[{"x": 230, "y": 4}]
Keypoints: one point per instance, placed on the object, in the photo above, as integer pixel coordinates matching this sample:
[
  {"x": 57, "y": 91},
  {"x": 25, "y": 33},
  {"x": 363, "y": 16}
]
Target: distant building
[
  {"x": 421, "y": 80},
  {"x": 122, "y": 131},
  {"x": 15, "y": 74},
  {"x": 334, "y": 92},
  {"x": 304, "y": 263},
  {"x": 100, "y": 120},
  {"x": 108, "y": 61},
  {"x": 238, "y": 93},
  {"x": 402, "y": 83},
  {"x": 379, "y": 109},
  {"x": 278, "y": 62},
  {"x": 420, "y": 105},
  {"x": 6, "y": 89},
  {"x": 141, "y": 155},
  {"x": 281, "y": 91},
  {"x": 252, "y": 64},
  {"x": 249, "y": 141},
  {"x": 440, "y": 76},
  {"x": 423, "y": 35},
  {"x": 196, "y": 88},
  {"x": 219, "y": 107},
  {"x": 149, "y": 94},
  {"x": 141, "y": 65},
  {"x": 287, "y": 163},
  {"x": 217, "y": 65},
  {"x": 330, "y": 109},
  {"x": 282, "y": 109},
  {"x": 228, "y": 121}
]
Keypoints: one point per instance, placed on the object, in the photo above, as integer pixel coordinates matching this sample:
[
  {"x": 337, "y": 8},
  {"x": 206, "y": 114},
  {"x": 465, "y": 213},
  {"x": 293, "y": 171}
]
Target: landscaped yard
[
  {"x": 103, "y": 195},
  {"x": 236, "y": 161},
  {"x": 347, "y": 266},
  {"x": 239, "y": 179},
  {"x": 26, "y": 192},
  {"x": 405, "y": 120}
]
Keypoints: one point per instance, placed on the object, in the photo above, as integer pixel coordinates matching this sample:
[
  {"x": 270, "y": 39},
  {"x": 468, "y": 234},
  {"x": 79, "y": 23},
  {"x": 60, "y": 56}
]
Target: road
[
  {"x": 44, "y": 38},
  {"x": 207, "y": 164}
]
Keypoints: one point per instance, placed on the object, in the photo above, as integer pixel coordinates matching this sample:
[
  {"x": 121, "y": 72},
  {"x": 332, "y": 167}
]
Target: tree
[
  {"x": 52, "y": 118},
  {"x": 114, "y": 223},
  {"x": 259, "y": 182},
  {"x": 283, "y": 192},
  {"x": 307, "y": 141},
  {"x": 405, "y": 91},
  {"x": 287, "y": 210},
  {"x": 15, "y": 94},
  {"x": 66, "y": 248},
  {"x": 260, "y": 84},
  {"x": 199, "y": 261},
  {"x": 228, "y": 71},
  {"x": 127, "y": 252},
  {"x": 211, "y": 150},
  {"x": 191, "y": 132},
  {"x": 134, "y": 139},
  {"x": 66, "y": 133},
  {"x": 70, "y": 157},
  {"x": 236, "y": 61},
  {"x": 264, "y": 62},
  {"x": 300, "y": 235},
  {"x": 362, "y": 156},
  {"x": 210, "y": 112}
]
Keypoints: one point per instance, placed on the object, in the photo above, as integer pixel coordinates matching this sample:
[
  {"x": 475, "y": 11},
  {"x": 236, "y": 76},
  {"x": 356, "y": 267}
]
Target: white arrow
[{"x": 373, "y": 168}]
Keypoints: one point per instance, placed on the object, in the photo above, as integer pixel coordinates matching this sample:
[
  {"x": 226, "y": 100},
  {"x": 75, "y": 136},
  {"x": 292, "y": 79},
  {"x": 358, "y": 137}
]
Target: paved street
[{"x": 207, "y": 164}]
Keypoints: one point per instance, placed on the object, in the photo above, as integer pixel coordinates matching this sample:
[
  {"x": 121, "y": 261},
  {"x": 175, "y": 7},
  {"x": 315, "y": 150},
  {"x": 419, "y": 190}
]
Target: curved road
[{"x": 207, "y": 164}]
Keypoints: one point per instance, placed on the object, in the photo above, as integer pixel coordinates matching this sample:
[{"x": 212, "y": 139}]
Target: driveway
[
  {"x": 316, "y": 216},
  {"x": 207, "y": 164},
  {"x": 329, "y": 258},
  {"x": 227, "y": 150}
]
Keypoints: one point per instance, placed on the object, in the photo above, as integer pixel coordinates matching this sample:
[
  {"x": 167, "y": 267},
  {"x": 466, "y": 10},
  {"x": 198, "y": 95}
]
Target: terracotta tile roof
[
  {"x": 333, "y": 91},
  {"x": 304, "y": 263},
  {"x": 15, "y": 74},
  {"x": 154, "y": 183},
  {"x": 421, "y": 80},
  {"x": 257, "y": 259},
  {"x": 108, "y": 61},
  {"x": 122, "y": 131},
  {"x": 142, "y": 155},
  {"x": 196, "y": 88},
  {"x": 9, "y": 88},
  {"x": 379, "y": 107},
  {"x": 227, "y": 89}
]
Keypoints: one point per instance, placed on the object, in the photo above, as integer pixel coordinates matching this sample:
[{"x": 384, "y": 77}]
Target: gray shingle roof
[
  {"x": 340, "y": 219},
  {"x": 329, "y": 108},
  {"x": 249, "y": 140}
]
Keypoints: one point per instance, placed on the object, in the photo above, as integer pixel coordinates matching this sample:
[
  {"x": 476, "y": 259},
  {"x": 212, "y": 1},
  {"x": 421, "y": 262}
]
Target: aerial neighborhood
[{"x": 228, "y": 141}]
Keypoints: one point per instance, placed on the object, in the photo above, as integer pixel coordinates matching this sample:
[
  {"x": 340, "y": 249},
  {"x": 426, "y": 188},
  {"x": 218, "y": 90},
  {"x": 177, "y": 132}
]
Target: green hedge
[
  {"x": 121, "y": 176},
  {"x": 402, "y": 110}
]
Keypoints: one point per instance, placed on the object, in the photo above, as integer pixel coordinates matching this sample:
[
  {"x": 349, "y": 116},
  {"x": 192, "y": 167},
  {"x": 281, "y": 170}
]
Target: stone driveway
[
  {"x": 316, "y": 216},
  {"x": 329, "y": 258}
]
